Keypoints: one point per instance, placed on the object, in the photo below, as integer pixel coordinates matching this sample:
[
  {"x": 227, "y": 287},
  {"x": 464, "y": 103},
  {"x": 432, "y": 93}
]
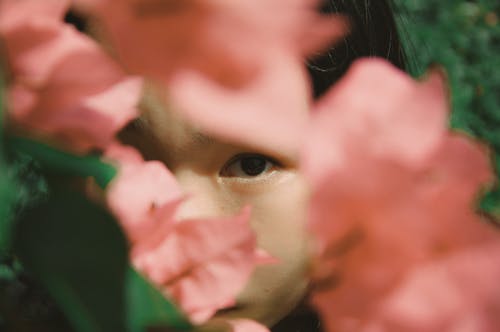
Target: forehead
[
  {"x": 161, "y": 134},
  {"x": 166, "y": 125}
]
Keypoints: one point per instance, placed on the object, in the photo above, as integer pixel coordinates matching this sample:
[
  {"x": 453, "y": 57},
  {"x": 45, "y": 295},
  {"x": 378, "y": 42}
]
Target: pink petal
[
  {"x": 157, "y": 38},
  {"x": 21, "y": 100},
  {"x": 77, "y": 94},
  {"x": 99, "y": 117},
  {"x": 35, "y": 47},
  {"x": 144, "y": 194},
  {"x": 269, "y": 113},
  {"x": 446, "y": 294},
  {"x": 18, "y": 12},
  {"x": 379, "y": 109},
  {"x": 201, "y": 264}
]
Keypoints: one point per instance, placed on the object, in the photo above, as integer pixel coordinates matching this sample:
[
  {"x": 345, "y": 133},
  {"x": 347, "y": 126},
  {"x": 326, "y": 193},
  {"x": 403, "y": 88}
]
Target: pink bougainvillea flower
[
  {"x": 270, "y": 112},
  {"x": 393, "y": 193},
  {"x": 225, "y": 40},
  {"x": 63, "y": 86},
  {"x": 143, "y": 196},
  {"x": 201, "y": 264}
]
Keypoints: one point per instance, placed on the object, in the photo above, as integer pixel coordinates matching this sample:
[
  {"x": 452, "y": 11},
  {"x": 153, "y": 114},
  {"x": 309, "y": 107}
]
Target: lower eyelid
[{"x": 257, "y": 185}]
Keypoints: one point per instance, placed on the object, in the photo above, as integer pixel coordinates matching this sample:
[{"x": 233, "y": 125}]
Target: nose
[{"x": 203, "y": 198}]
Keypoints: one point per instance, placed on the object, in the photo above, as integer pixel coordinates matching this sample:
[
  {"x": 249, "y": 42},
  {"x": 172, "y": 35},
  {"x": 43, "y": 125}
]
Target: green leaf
[
  {"x": 7, "y": 185},
  {"x": 147, "y": 307},
  {"x": 78, "y": 253},
  {"x": 2, "y": 101},
  {"x": 59, "y": 162},
  {"x": 490, "y": 204},
  {"x": 7, "y": 200}
]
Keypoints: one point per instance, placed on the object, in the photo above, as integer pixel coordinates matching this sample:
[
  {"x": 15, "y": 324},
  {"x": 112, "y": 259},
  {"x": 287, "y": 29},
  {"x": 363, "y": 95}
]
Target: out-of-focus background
[{"x": 464, "y": 38}]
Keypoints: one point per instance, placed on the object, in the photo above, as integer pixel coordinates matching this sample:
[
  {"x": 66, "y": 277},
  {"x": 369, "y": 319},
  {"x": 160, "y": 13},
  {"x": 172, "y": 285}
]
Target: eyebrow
[{"x": 200, "y": 139}]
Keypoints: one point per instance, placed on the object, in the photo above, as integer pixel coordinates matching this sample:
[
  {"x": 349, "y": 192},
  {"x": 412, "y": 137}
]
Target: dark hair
[{"x": 373, "y": 32}]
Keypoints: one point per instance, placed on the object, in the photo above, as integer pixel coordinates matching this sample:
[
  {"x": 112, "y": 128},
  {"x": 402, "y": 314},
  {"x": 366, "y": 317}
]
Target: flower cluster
[{"x": 398, "y": 243}]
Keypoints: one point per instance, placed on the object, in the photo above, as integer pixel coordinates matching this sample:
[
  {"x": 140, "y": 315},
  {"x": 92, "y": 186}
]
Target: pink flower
[
  {"x": 200, "y": 264},
  {"x": 63, "y": 87},
  {"x": 393, "y": 194},
  {"x": 225, "y": 40},
  {"x": 143, "y": 196}
]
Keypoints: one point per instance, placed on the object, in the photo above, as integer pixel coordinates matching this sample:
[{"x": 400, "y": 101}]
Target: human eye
[{"x": 249, "y": 166}]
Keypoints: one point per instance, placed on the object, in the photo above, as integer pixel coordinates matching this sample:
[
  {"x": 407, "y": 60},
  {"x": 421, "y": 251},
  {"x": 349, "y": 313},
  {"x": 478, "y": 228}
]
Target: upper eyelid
[{"x": 252, "y": 154}]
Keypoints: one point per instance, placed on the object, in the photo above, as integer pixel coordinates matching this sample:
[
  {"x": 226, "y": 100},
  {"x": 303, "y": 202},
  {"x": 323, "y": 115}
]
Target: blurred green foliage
[
  {"x": 147, "y": 307},
  {"x": 7, "y": 184},
  {"x": 464, "y": 38},
  {"x": 78, "y": 253}
]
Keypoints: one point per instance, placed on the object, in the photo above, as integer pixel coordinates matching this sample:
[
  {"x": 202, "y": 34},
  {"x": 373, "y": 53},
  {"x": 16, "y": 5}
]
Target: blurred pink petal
[
  {"x": 201, "y": 264},
  {"x": 158, "y": 37},
  {"x": 143, "y": 195},
  {"x": 269, "y": 113},
  {"x": 392, "y": 191},
  {"x": 63, "y": 85},
  {"x": 455, "y": 293},
  {"x": 32, "y": 31},
  {"x": 247, "y": 325},
  {"x": 381, "y": 109},
  {"x": 16, "y": 12}
]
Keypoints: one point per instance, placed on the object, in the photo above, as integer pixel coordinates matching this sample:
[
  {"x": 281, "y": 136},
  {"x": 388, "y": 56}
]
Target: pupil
[{"x": 253, "y": 165}]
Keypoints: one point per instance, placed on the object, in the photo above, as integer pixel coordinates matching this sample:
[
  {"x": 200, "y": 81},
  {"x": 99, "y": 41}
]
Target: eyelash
[{"x": 228, "y": 171}]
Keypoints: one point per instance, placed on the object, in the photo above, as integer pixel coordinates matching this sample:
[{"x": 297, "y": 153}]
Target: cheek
[{"x": 279, "y": 221}]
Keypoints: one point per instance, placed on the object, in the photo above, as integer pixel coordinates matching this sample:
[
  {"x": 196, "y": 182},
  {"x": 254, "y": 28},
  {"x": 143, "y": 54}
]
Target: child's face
[{"x": 220, "y": 180}]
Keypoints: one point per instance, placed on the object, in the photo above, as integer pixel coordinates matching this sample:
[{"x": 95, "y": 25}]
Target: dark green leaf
[
  {"x": 7, "y": 200},
  {"x": 147, "y": 307},
  {"x": 77, "y": 251},
  {"x": 7, "y": 184},
  {"x": 54, "y": 161},
  {"x": 490, "y": 203}
]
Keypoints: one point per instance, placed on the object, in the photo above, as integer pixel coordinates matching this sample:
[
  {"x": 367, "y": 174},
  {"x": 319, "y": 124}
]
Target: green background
[{"x": 463, "y": 37}]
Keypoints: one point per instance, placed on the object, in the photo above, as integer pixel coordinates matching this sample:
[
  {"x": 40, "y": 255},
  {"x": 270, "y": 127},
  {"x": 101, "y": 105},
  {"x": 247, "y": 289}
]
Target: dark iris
[{"x": 253, "y": 165}]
